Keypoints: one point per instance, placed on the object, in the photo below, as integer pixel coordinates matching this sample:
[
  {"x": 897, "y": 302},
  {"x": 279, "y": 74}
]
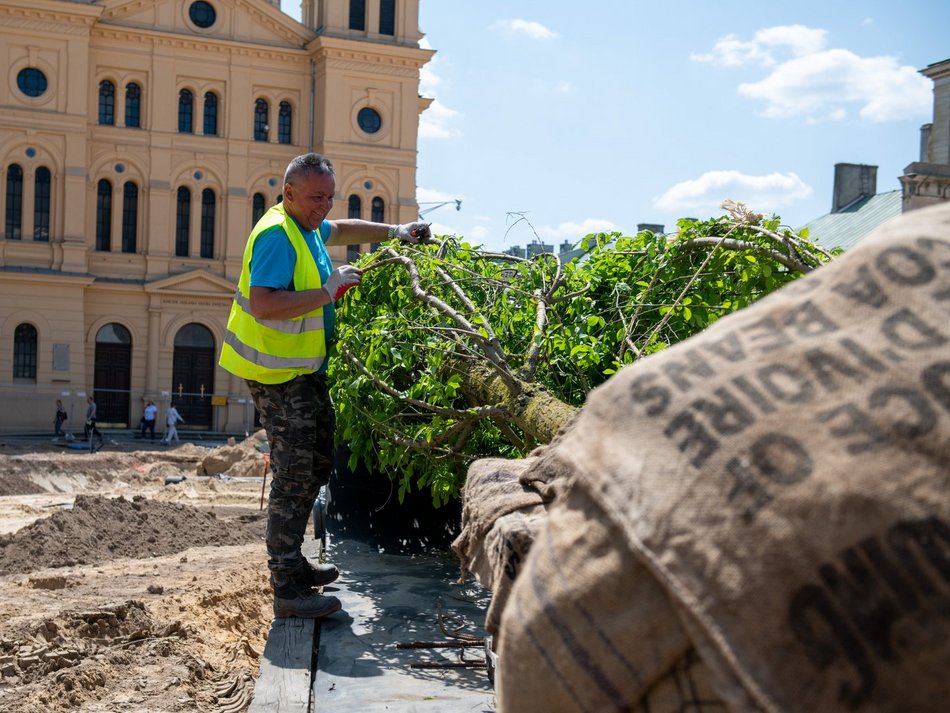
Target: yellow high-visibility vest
[{"x": 273, "y": 351}]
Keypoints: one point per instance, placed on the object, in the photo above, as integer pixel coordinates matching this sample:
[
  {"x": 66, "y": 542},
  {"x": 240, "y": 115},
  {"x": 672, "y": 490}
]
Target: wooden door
[
  {"x": 193, "y": 385},
  {"x": 112, "y": 377}
]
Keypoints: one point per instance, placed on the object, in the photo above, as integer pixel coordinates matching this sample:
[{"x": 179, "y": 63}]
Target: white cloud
[
  {"x": 431, "y": 195},
  {"x": 477, "y": 234},
  {"x": 429, "y": 81},
  {"x": 732, "y": 52},
  {"x": 822, "y": 85},
  {"x": 474, "y": 234},
  {"x": 809, "y": 81},
  {"x": 529, "y": 28},
  {"x": 701, "y": 196},
  {"x": 798, "y": 39},
  {"x": 436, "y": 122}
]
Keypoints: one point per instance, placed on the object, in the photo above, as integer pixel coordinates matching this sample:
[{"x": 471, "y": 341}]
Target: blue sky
[{"x": 552, "y": 120}]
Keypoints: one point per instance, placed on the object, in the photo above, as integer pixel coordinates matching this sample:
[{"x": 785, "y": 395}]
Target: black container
[{"x": 365, "y": 506}]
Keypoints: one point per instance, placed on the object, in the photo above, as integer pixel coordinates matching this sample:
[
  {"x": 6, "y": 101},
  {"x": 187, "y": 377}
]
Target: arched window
[
  {"x": 13, "y": 225},
  {"x": 182, "y": 222},
  {"x": 104, "y": 215},
  {"x": 284, "y": 120},
  {"x": 358, "y": 15},
  {"x": 41, "y": 199},
  {"x": 387, "y": 17},
  {"x": 106, "y": 102},
  {"x": 207, "y": 223},
  {"x": 354, "y": 207},
  {"x": 186, "y": 112},
  {"x": 211, "y": 114},
  {"x": 130, "y": 216},
  {"x": 194, "y": 335},
  {"x": 261, "y": 109},
  {"x": 258, "y": 208},
  {"x": 378, "y": 211},
  {"x": 113, "y": 333},
  {"x": 24, "y": 352},
  {"x": 133, "y": 105}
]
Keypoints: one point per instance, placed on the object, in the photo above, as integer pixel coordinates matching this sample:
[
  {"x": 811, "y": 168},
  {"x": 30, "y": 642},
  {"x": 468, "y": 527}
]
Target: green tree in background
[{"x": 449, "y": 353}]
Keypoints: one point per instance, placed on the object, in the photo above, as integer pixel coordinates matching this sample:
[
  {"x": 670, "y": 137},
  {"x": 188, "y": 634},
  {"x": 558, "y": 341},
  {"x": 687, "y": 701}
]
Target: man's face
[{"x": 309, "y": 198}]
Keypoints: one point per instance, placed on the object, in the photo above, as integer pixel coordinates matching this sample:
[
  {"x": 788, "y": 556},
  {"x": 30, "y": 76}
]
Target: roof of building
[{"x": 848, "y": 226}]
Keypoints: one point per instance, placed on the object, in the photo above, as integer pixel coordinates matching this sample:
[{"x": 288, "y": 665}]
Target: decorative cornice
[
  {"x": 365, "y": 56},
  {"x": 223, "y": 47},
  {"x": 126, "y": 9},
  {"x": 44, "y": 21},
  {"x": 350, "y": 65}
]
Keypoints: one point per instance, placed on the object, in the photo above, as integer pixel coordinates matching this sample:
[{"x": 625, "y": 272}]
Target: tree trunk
[{"x": 534, "y": 409}]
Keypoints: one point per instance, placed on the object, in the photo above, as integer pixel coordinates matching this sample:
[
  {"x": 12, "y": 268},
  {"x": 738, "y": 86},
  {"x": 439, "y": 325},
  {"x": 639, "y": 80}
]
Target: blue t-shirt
[{"x": 273, "y": 261}]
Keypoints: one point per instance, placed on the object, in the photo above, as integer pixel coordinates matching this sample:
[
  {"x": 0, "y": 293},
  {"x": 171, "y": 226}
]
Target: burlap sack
[
  {"x": 773, "y": 493},
  {"x": 500, "y": 517}
]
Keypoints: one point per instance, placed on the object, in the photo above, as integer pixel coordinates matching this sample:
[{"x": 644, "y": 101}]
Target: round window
[
  {"x": 31, "y": 82},
  {"x": 369, "y": 120},
  {"x": 202, "y": 14}
]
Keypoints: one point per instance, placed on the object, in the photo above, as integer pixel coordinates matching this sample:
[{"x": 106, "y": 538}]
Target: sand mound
[{"x": 99, "y": 529}]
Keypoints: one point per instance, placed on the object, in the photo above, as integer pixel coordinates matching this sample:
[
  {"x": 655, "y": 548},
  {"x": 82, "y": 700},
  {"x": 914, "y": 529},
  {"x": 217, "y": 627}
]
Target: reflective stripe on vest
[
  {"x": 268, "y": 361},
  {"x": 273, "y": 351},
  {"x": 288, "y": 326}
]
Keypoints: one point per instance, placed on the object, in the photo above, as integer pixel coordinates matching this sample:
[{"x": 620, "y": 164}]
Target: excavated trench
[{"x": 126, "y": 594}]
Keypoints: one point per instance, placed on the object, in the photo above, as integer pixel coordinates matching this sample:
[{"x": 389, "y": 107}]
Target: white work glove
[
  {"x": 411, "y": 232},
  {"x": 342, "y": 279}
]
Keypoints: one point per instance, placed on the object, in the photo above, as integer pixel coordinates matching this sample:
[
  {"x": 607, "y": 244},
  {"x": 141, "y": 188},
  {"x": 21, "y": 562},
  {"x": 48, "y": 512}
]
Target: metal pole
[{"x": 264, "y": 481}]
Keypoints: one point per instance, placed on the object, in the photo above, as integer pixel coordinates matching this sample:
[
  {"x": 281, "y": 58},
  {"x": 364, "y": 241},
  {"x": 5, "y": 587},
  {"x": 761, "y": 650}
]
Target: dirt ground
[{"x": 124, "y": 587}]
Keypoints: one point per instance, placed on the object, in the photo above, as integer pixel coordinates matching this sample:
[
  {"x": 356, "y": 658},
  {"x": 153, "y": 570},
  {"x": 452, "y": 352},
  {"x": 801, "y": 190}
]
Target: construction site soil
[{"x": 125, "y": 587}]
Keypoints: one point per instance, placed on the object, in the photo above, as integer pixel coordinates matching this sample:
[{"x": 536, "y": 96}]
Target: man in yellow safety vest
[{"x": 277, "y": 340}]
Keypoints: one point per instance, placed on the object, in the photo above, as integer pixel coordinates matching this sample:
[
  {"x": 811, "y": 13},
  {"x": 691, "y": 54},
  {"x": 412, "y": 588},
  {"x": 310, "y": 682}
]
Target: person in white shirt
[
  {"x": 148, "y": 419},
  {"x": 172, "y": 417}
]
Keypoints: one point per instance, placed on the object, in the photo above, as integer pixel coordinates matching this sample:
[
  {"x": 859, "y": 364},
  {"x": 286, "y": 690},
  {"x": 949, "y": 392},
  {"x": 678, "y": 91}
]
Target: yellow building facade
[{"x": 139, "y": 142}]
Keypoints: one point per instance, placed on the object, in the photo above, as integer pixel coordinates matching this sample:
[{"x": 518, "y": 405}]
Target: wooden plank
[{"x": 283, "y": 685}]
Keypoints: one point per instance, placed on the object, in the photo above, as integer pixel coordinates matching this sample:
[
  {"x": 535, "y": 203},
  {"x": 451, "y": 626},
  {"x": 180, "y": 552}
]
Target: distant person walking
[
  {"x": 172, "y": 417},
  {"x": 148, "y": 419},
  {"x": 90, "y": 428},
  {"x": 61, "y": 416}
]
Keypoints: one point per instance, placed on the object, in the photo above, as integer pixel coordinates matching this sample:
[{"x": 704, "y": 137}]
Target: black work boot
[
  {"x": 294, "y": 598},
  {"x": 316, "y": 574}
]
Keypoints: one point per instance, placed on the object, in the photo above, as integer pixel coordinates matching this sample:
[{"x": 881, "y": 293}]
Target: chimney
[{"x": 852, "y": 182}]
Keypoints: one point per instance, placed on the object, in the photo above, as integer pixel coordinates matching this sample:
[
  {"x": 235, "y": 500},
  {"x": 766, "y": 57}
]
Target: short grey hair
[{"x": 308, "y": 163}]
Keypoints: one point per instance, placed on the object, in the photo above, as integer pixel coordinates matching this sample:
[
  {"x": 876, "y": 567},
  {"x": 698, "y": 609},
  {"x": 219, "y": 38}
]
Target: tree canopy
[{"x": 449, "y": 353}]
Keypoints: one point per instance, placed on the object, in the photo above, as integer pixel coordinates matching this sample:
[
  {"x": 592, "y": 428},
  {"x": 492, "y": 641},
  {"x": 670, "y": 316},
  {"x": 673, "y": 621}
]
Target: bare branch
[
  {"x": 476, "y": 411},
  {"x": 627, "y": 341},
  {"x": 537, "y": 338},
  {"x": 509, "y": 433},
  {"x": 462, "y": 428},
  {"x": 792, "y": 262},
  {"x": 466, "y": 300},
  {"x": 716, "y": 244},
  {"x": 492, "y": 355}
]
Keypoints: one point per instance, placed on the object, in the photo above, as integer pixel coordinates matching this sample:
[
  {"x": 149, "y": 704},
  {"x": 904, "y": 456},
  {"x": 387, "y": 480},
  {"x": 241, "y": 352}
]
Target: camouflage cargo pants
[{"x": 299, "y": 419}]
